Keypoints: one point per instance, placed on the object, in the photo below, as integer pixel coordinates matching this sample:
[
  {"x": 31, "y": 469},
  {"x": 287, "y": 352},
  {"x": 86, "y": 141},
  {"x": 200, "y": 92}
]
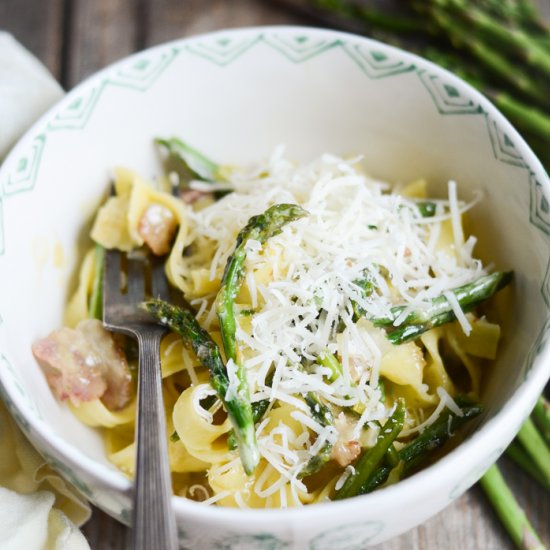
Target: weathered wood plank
[
  {"x": 101, "y": 32},
  {"x": 38, "y": 26},
  {"x": 171, "y": 19}
]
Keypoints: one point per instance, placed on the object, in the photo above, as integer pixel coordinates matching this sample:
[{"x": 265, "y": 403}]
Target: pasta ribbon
[{"x": 203, "y": 439}]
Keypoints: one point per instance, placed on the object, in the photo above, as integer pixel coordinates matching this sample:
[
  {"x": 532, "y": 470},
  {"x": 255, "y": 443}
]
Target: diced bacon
[
  {"x": 189, "y": 196},
  {"x": 346, "y": 449},
  {"x": 84, "y": 364},
  {"x": 157, "y": 227},
  {"x": 345, "y": 452}
]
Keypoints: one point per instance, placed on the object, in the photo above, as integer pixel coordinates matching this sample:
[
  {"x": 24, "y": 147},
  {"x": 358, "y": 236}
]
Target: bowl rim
[{"x": 518, "y": 405}]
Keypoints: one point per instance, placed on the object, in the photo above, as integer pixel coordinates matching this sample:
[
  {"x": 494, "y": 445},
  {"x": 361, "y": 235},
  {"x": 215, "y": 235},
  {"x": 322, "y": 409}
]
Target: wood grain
[
  {"x": 38, "y": 26},
  {"x": 100, "y": 32},
  {"x": 75, "y": 38}
]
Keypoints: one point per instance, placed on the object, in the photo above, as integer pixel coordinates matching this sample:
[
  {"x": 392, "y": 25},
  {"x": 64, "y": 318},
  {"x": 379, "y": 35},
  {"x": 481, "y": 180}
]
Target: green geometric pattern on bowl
[
  {"x": 262, "y": 541},
  {"x": 139, "y": 75},
  {"x": 539, "y": 344},
  {"x": 503, "y": 147},
  {"x": 375, "y": 63},
  {"x": 299, "y": 48},
  {"x": 75, "y": 115},
  {"x": 354, "y": 536},
  {"x": 540, "y": 209},
  {"x": 14, "y": 411},
  {"x": 17, "y": 383},
  {"x": 69, "y": 474},
  {"x": 447, "y": 98},
  {"x": 141, "y": 72},
  {"x": 223, "y": 50},
  {"x": 23, "y": 176}
]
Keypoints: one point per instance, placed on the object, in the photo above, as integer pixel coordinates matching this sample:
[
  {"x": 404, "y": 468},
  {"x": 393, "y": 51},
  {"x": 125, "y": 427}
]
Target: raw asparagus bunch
[
  {"x": 500, "y": 47},
  {"x": 531, "y": 448}
]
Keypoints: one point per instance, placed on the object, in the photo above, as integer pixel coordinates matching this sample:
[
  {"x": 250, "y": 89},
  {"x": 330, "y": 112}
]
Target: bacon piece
[
  {"x": 346, "y": 449},
  {"x": 156, "y": 227},
  {"x": 345, "y": 452},
  {"x": 84, "y": 364},
  {"x": 189, "y": 196}
]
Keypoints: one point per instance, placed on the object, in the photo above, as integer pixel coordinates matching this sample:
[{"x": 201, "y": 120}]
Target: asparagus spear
[
  {"x": 323, "y": 415},
  {"x": 378, "y": 477},
  {"x": 366, "y": 466},
  {"x": 517, "y": 453},
  {"x": 200, "y": 166},
  {"x": 427, "y": 209},
  {"x": 541, "y": 417},
  {"x": 437, "y": 434},
  {"x": 460, "y": 33},
  {"x": 509, "y": 511},
  {"x": 536, "y": 447},
  {"x": 328, "y": 360},
  {"x": 96, "y": 298},
  {"x": 259, "y": 228},
  {"x": 259, "y": 408},
  {"x": 439, "y": 312},
  {"x": 236, "y": 404},
  {"x": 515, "y": 42},
  {"x": 421, "y": 448}
]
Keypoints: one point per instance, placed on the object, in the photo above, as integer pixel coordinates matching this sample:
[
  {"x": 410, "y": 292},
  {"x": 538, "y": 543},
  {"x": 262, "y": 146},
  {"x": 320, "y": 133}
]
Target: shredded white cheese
[{"x": 305, "y": 283}]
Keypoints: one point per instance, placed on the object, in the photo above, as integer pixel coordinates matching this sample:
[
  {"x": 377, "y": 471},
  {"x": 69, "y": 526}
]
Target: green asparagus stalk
[
  {"x": 328, "y": 360},
  {"x": 259, "y": 228},
  {"x": 199, "y": 165},
  {"x": 323, "y": 415},
  {"x": 366, "y": 466},
  {"x": 516, "y": 452},
  {"x": 439, "y": 312},
  {"x": 236, "y": 404},
  {"x": 536, "y": 447},
  {"x": 96, "y": 298},
  {"x": 541, "y": 417},
  {"x": 461, "y": 34},
  {"x": 511, "y": 41},
  {"x": 427, "y": 209},
  {"x": 509, "y": 511},
  {"x": 419, "y": 450},
  {"x": 259, "y": 409},
  {"x": 378, "y": 477},
  {"x": 437, "y": 434}
]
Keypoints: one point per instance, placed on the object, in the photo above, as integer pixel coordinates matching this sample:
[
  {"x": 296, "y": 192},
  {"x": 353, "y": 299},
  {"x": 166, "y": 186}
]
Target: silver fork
[{"x": 153, "y": 519}]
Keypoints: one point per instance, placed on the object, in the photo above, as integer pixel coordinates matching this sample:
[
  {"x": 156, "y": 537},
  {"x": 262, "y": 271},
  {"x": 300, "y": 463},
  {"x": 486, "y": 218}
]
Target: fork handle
[{"x": 153, "y": 521}]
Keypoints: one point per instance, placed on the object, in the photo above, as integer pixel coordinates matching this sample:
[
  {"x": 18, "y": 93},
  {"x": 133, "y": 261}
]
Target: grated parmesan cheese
[{"x": 356, "y": 228}]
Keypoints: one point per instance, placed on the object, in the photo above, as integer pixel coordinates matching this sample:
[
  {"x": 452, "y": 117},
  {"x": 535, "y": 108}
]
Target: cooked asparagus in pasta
[{"x": 331, "y": 338}]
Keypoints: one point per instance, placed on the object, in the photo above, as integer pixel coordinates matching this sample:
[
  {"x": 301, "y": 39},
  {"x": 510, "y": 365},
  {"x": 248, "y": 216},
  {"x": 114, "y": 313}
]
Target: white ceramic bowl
[{"x": 235, "y": 95}]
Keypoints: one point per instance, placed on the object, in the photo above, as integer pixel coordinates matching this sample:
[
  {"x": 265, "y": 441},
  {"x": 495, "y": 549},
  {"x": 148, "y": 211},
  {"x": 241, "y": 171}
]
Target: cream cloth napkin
[{"x": 39, "y": 510}]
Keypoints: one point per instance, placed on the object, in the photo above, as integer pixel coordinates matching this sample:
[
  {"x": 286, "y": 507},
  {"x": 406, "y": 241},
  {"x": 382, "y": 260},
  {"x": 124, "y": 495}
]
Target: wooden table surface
[{"x": 75, "y": 38}]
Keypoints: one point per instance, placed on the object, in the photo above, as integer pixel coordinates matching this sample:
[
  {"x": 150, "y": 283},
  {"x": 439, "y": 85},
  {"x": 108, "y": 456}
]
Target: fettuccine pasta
[{"x": 360, "y": 315}]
